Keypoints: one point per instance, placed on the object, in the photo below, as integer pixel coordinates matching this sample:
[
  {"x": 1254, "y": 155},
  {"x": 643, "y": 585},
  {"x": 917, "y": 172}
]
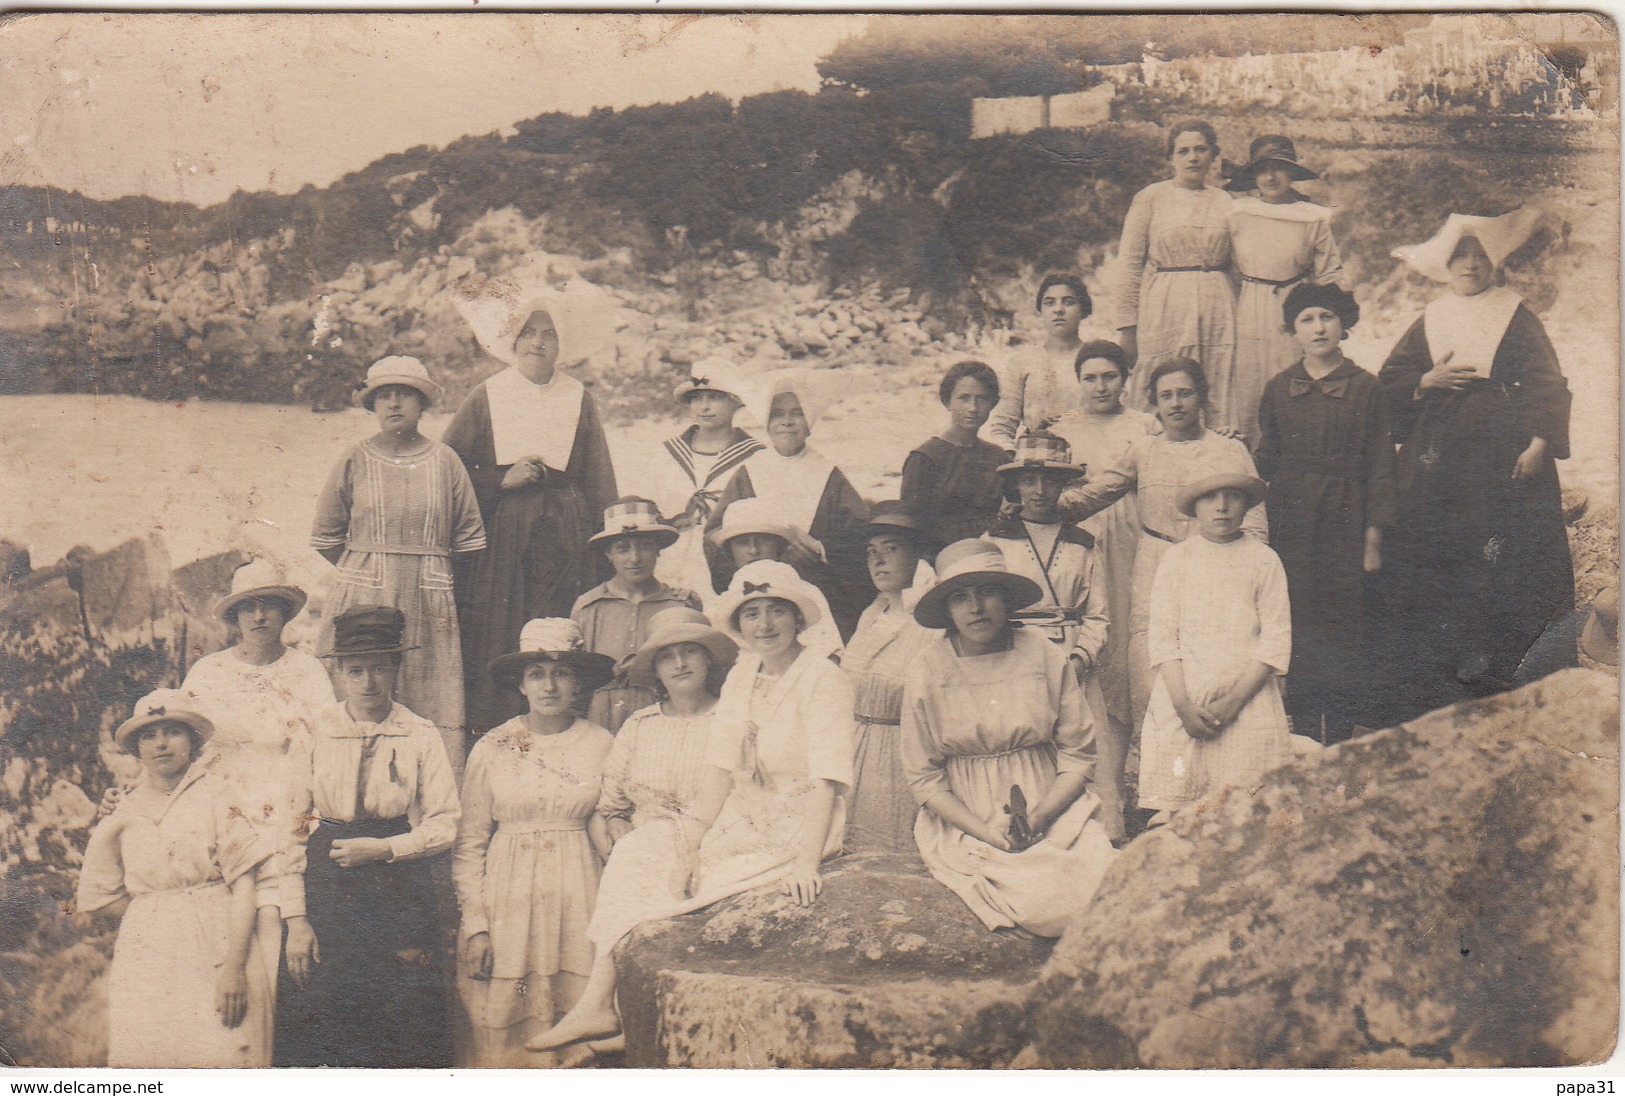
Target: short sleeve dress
[
  {"x": 175, "y": 855},
  {"x": 527, "y": 874},
  {"x": 976, "y": 726}
]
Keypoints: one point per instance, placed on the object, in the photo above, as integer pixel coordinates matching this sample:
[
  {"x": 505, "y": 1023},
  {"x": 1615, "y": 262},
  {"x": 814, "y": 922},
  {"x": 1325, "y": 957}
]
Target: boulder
[
  {"x": 887, "y": 969},
  {"x": 126, "y": 588},
  {"x": 1444, "y": 893}
]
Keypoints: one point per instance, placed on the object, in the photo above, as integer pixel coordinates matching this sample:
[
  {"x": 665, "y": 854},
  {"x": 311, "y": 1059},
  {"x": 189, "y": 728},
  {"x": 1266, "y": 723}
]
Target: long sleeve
[
  {"x": 1328, "y": 268},
  {"x": 925, "y": 765},
  {"x": 831, "y": 731},
  {"x": 1133, "y": 250},
  {"x": 467, "y": 527},
  {"x": 1401, "y": 374},
  {"x": 331, "y": 529},
  {"x": 1381, "y": 485},
  {"x": 920, "y": 477},
  {"x": 1543, "y": 398},
  {"x": 1167, "y": 590},
  {"x": 1092, "y": 619},
  {"x": 101, "y": 878},
  {"x": 469, "y": 436},
  {"x": 613, "y": 800},
  {"x": 436, "y": 801},
  {"x": 1256, "y": 524},
  {"x": 1005, "y": 422},
  {"x": 591, "y": 458},
  {"x": 473, "y": 839},
  {"x": 1274, "y": 616},
  {"x": 1074, "y": 728},
  {"x": 1099, "y": 492},
  {"x": 1268, "y": 456},
  {"x": 284, "y": 874}
]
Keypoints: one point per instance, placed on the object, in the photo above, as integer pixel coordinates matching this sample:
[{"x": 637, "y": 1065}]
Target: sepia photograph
[{"x": 710, "y": 540}]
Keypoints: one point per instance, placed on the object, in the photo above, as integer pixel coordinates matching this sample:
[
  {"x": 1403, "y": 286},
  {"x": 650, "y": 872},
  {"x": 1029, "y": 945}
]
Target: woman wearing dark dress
[
  {"x": 534, "y": 447},
  {"x": 1325, "y": 449},
  {"x": 950, "y": 481},
  {"x": 1478, "y": 562}
]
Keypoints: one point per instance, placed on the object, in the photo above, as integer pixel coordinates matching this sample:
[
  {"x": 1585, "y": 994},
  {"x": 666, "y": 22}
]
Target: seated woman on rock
[
  {"x": 771, "y": 805},
  {"x": 988, "y": 709}
]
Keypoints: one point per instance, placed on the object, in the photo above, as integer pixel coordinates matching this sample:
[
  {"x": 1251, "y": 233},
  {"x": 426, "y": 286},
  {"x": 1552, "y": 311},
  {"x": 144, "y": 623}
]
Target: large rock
[
  {"x": 126, "y": 589},
  {"x": 887, "y": 969},
  {"x": 1442, "y": 893}
]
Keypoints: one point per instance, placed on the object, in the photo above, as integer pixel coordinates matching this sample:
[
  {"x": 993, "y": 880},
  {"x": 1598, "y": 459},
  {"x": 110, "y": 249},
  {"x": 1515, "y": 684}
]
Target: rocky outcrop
[
  {"x": 1444, "y": 893},
  {"x": 887, "y": 969}
]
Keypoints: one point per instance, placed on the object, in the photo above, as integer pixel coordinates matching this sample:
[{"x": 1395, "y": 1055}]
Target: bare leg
[{"x": 593, "y": 1015}]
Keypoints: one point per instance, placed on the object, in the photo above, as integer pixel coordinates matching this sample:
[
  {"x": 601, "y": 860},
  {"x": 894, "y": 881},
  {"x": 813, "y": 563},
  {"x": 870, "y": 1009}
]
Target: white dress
[
  {"x": 976, "y": 726},
  {"x": 175, "y": 854},
  {"x": 1036, "y": 386},
  {"x": 1216, "y": 608}
]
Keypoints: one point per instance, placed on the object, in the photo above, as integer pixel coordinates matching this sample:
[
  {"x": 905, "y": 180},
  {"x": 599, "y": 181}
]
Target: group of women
[{"x": 717, "y": 684}]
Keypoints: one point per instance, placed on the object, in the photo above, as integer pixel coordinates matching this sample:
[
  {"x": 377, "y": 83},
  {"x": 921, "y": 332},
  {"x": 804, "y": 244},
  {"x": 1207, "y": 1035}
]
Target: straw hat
[
  {"x": 1270, "y": 149},
  {"x": 765, "y": 578},
  {"x": 163, "y": 706},
  {"x": 1043, "y": 453},
  {"x": 1251, "y": 486},
  {"x": 972, "y": 562},
  {"x": 756, "y": 515},
  {"x": 631, "y": 514},
  {"x": 259, "y": 578},
  {"x": 669, "y": 627},
  {"x": 396, "y": 370},
  {"x": 714, "y": 375},
  {"x": 584, "y": 316},
  {"x": 896, "y": 517},
  {"x": 553, "y": 639},
  {"x": 1599, "y": 639},
  {"x": 1501, "y": 236},
  {"x": 369, "y": 630}
]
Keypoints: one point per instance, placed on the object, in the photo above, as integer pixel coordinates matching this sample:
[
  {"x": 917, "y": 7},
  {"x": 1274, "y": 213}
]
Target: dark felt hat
[{"x": 369, "y": 630}]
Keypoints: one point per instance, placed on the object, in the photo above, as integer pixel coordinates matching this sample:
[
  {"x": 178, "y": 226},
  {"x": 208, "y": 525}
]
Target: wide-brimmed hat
[
  {"x": 631, "y": 514},
  {"x": 1251, "y": 486},
  {"x": 259, "y": 578},
  {"x": 679, "y": 624},
  {"x": 896, "y": 517},
  {"x": 759, "y": 515},
  {"x": 553, "y": 639},
  {"x": 1500, "y": 236},
  {"x": 369, "y": 630},
  {"x": 1042, "y": 453},
  {"x": 972, "y": 562},
  {"x": 765, "y": 578},
  {"x": 585, "y": 316},
  {"x": 396, "y": 370},
  {"x": 714, "y": 374},
  {"x": 1270, "y": 149},
  {"x": 163, "y": 706},
  {"x": 1599, "y": 639}
]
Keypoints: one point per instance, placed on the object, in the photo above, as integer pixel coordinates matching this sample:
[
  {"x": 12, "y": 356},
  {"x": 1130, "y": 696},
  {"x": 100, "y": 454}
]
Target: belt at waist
[
  {"x": 1280, "y": 283},
  {"x": 1150, "y": 532},
  {"x": 332, "y": 829},
  {"x": 876, "y": 721},
  {"x": 396, "y": 549},
  {"x": 1048, "y": 616},
  {"x": 545, "y": 825},
  {"x": 1191, "y": 269},
  {"x": 1044, "y": 747},
  {"x": 198, "y": 888}
]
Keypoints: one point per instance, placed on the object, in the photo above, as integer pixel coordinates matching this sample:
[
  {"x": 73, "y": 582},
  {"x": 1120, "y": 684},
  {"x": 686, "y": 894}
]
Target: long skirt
[
  {"x": 377, "y": 999},
  {"x": 1041, "y": 888},
  {"x": 1263, "y": 349},
  {"x": 1187, "y": 314},
  {"x": 882, "y": 809},
  {"x": 161, "y": 990}
]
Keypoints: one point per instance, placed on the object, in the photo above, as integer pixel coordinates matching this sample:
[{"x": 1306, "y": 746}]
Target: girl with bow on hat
[
  {"x": 530, "y": 843},
  {"x": 779, "y": 762},
  {"x": 395, "y": 513},
  {"x": 686, "y": 478},
  {"x": 1325, "y": 449},
  {"x": 377, "y": 802},
  {"x": 533, "y": 443},
  {"x": 652, "y": 781},
  {"x": 1477, "y": 564},
  {"x": 174, "y": 863},
  {"x": 989, "y": 708},
  {"x": 1279, "y": 239}
]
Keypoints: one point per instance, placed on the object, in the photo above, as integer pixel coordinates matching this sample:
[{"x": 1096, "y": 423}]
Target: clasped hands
[{"x": 524, "y": 472}]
